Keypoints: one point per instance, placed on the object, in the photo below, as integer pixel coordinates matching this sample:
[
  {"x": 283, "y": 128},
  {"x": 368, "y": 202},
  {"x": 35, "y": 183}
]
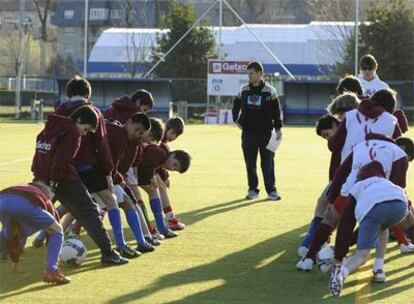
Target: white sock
[
  {"x": 170, "y": 215},
  {"x": 378, "y": 264}
]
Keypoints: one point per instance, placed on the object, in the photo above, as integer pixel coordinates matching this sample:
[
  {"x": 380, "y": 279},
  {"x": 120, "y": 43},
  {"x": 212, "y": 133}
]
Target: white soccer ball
[
  {"x": 324, "y": 259},
  {"x": 73, "y": 252}
]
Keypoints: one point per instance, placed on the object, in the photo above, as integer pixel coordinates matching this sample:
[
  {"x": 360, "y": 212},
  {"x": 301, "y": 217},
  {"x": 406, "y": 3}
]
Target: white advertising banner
[{"x": 226, "y": 77}]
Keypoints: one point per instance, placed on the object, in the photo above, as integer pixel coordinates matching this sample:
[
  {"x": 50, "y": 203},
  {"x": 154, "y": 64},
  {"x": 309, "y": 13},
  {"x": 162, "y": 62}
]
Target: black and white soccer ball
[
  {"x": 73, "y": 252},
  {"x": 324, "y": 259}
]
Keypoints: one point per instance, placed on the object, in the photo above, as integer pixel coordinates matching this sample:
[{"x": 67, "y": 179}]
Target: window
[
  {"x": 115, "y": 14},
  {"x": 98, "y": 14},
  {"x": 68, "y": 14}
]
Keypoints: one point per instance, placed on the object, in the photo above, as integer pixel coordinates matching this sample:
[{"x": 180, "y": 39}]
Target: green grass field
[{"x": 232, "y": 251}]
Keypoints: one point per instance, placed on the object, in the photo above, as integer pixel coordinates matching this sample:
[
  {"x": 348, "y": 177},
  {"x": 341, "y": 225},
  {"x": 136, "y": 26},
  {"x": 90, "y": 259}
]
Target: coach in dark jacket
[{"x": 257, "y": 111}]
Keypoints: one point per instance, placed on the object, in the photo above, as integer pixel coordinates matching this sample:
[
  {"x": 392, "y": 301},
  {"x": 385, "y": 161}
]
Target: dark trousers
[
  {"x": 252, "y": 143},
  {"x": 75, "y": 197}
]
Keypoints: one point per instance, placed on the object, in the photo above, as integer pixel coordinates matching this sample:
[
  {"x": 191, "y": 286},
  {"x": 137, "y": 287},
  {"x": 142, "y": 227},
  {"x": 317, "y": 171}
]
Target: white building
[{"x": 306, "y": 49}]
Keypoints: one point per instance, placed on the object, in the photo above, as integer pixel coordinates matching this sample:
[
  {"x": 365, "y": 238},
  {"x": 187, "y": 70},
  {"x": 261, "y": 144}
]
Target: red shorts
[{"x": 340, "y": 203}]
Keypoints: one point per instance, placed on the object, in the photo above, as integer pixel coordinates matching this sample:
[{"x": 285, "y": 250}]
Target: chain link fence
[{"x": 318, "y": 56}]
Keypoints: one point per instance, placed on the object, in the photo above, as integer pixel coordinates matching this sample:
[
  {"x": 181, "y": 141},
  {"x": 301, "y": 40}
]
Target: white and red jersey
[
  {"x": 372, "y": 191},
  {"x": 358, "y": 126},
  {"x": 373, "y": 85},
  {"x": 385, "y": 152}
]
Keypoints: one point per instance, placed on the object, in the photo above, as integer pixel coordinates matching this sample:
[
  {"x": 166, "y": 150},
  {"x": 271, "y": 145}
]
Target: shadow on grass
[
  {"x": 30, "y": 272},
  {"x": 195, "y": 216},
  {"x": 256, "y": 274},
  {"x": 263, "y": 273}
]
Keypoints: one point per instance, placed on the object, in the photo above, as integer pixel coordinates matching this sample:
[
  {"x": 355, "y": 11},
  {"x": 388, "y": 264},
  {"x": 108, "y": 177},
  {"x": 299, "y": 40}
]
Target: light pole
[
  {"x": 220, "y": 57},
  {"x": 356, "y": 36},
  {"x": 85, "y": 42},
  {"x": 18, "y": 97}
]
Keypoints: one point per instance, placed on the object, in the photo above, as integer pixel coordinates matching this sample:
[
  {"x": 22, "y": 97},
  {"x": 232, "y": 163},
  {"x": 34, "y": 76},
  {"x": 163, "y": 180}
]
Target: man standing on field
[{"x": 257, "y": 111}]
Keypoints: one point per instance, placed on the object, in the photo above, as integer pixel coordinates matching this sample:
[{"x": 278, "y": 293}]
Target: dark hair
[
  {"x": 176, "y": 124},
  {"x": 387, "y": 98},
  {"x": 325, "y": 122},
  {"x": 255, "y": 65},
  {"x": 141, "y": 118},
  {"x": 157, "y": 129},
  {"x": 407, "y": 145},
  {"x": 369, "y": 62},
  {"x": 343, "y": 103},
  {"x": 184, "y": 158},
  {"x": 143, "y": 97},
  {"x": 85, "y": 115},
  {"x": 78, "y": 86},
  {"x": 349, "y": 84}
]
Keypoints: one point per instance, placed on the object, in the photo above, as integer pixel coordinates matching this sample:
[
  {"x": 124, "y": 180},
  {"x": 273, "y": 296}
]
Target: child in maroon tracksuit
[
  {"x": 173, "y": 129},
  {"x": 93, "y": 153},
  {"x": 58, "y": 144},
  {"x": 124, "y": 107},
  {"x": 153, "y": 159},
  {"x": 121, "y": 110},
  {"x": 25, "y": 209},
  {"x": 120, "y": 138}
]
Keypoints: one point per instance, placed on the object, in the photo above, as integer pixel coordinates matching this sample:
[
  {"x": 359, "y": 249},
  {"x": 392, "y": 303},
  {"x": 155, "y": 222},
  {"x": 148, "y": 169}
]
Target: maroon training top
[
  {"x": 131, "y": 156},
  {"x": 122, "y": 109},
  {"x": 56, "y": 148},
  {"x": 153, "y": 158},
  {"x": 118, "y": 143},
  {"x": 162, "y": 172},
  {"x": 94, "y": 149},
  {"x": 402, "y": 120},
  {"x": 37, "y": 197}
]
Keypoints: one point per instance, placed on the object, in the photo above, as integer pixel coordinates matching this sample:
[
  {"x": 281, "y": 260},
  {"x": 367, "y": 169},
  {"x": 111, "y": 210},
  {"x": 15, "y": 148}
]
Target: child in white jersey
[
  {"x": 373, "y": 115},
  {"x": 391, "y": 155},
  {"x": 379, "y": 205},
  {"x": 369, "y": 79}
]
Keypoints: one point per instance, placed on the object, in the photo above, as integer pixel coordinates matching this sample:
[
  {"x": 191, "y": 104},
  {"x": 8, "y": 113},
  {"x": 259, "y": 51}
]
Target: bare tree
[
  {"x": 138, "y": 50},
  {"x": 130, "y": 14},
  {"x": 44, "y": 8},
  {"x": 341, "y": 12},
  {"x": 9, "y": 52}
]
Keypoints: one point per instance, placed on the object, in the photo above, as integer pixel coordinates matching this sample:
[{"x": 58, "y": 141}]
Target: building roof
[{"x": 316, "y": 43}]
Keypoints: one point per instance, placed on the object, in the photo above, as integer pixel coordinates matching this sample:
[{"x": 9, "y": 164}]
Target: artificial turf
[{"x": 232, "y": 251}]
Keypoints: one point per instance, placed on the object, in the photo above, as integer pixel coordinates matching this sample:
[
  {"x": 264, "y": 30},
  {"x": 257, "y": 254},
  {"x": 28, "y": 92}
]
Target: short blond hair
[{"x": 343, "y": 103}]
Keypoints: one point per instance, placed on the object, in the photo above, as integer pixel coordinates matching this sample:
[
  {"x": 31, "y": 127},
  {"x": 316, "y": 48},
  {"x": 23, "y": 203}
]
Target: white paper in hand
[{"x": 274, "y": 143}]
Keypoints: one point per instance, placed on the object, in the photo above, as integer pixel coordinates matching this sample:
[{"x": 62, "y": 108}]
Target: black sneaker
[
  {"x": 128, "y": 252},
  {"x": 153, "y": 241},
  {"x": 113, "y": 258},
  {"x": 168, "y": 234},
  {"x": 146, "y": 247},
  {"x": 158, "y": 236}
]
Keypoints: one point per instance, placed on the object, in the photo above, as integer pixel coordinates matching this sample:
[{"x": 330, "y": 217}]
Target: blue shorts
[
  {"x": 16, "y": 210},
  {"x": 379, "y": 218}
]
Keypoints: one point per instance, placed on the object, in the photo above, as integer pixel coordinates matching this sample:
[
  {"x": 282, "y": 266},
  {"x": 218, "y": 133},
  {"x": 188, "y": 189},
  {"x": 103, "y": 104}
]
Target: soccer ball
[
  {"x": 324, "y": 259},
  {"x": 73, "y": 252}
]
